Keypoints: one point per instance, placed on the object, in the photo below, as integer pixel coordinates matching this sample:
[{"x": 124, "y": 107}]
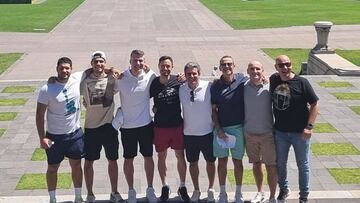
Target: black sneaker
[
  {"x": 165, "y": 192},
  {"x": 283, "y": 194},
  {"x": 182, "y": 192},
  {"x": 303, "y": 201}
]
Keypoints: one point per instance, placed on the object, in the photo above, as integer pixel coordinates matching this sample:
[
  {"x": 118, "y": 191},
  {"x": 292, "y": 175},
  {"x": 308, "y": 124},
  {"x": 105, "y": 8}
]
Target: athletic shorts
[
  {"x": 261, "y": 148},
  {"x": 130, "y": 137},
  {"x": 196, "y": 144},
  {"x": 96, "y": 138},
  {"x": 169, "y": 137},
  {"x": 65, "y": 145},
  {"x": 238, "y": 151}
]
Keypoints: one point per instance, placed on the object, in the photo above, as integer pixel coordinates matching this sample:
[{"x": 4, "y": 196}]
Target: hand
[
  {"x": 221, "y": 134},
  {"x": 307, "y": 133},
  {"x": 154, "y": 109},
  {"x": 115, "y": 73},
  {"x": 181, "y": 77},
  {"x": 44, "y": 143},
  {"x": 51, "y": 80},
  {"x": 146, "y": 68}
]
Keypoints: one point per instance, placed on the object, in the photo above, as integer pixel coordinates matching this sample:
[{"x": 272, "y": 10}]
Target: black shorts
[
  {"x": 130, "y": 137},
  {"x": 66, "y": 145},
  {"x": 196, "y": 144},
  {"x": 104, "y": 136}
]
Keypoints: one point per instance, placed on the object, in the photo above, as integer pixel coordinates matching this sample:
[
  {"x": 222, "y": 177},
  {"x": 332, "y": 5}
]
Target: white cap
[{"x": 98, "y": 54}]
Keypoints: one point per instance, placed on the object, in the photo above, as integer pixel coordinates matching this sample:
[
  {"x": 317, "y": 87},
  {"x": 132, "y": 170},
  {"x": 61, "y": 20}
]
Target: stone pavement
[{"x": 187, "y": 31}]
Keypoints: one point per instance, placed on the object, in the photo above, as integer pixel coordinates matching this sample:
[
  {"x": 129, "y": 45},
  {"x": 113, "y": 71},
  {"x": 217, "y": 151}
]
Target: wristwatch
[{"x": 309, "y": 126}]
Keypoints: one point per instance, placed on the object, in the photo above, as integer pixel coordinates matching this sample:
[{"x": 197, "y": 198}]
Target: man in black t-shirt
[
  {"x": 295, "y": 107},
  {"x": 168, "y": 125}
]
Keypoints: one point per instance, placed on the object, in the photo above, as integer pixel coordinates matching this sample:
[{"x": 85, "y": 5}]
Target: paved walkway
[{"x": 187, "y": 31}]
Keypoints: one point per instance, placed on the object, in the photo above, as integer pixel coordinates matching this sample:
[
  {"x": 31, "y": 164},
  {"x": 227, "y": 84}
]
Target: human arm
[
  {"x": 313, "y": 112},
  {"x": 40, "y": 125},
  {"x": 214, "y": 115}
]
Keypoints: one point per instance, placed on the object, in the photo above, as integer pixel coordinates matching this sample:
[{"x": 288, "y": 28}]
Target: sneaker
[
  {"x": 283, "y": 194},
  {"x": 239, "y": 198},
  {"x": 78, "y": 199},
  {"x": 272, "y": 200},
  {"x": 303, "y": 201},
  {"x": 52, "y": 200},
  {"x": 223, "y": 198},
  {"x": 90, "y": 198},
  {"x": 165, "y": 192},
  {"x": 259, "y": 197},
  {"x": 115, "y": 197},
  {"x": 150, "y": 195},
  {"x": 195, "y": 196},
  {"x": 131, "y": 196},
  {"x": 182, "y": 193},
  {"x": 211, "y": 195}
]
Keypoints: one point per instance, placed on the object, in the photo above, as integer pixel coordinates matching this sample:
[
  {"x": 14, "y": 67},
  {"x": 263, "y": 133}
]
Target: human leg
[
  {"x": 272, "y": 179},
  {"x": 162, "y": 166},
  {"x": 282, "y": 144},
  {"x": 89, "y": 176}
]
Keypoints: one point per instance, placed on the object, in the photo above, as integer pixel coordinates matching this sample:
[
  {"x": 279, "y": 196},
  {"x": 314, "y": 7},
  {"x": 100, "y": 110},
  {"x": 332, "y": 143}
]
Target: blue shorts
[
  {"x": 238, "y": 151},
  {"x": 65, "y": 145}
]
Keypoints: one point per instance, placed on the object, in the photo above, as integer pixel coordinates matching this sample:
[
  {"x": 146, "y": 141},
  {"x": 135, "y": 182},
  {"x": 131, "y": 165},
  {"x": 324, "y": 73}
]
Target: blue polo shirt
[{"x": 229, "y": 99}]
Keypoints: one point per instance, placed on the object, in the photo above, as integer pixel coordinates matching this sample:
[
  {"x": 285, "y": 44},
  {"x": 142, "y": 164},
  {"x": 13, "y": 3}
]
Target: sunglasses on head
[
  {"x": 282, "y": 65},
  {"x": 192, "y": 96}
]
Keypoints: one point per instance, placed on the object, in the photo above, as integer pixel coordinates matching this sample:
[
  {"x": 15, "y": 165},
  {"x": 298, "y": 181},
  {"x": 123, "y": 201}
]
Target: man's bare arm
[
  {"x": 40, "y": 125},
  {"x": 313, "y": 112},
  {"x": 215, "y": 118}
]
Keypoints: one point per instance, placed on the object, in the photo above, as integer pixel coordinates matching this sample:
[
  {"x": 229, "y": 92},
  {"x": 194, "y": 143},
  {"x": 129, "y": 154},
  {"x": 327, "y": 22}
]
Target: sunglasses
[
  {"x": 282, "y": 65},
  {"x": 192, "y": 96}
]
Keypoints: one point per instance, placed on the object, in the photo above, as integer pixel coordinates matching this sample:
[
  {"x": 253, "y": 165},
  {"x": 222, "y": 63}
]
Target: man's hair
[
  {"x": 137, "y": 52},
  {"x": 226, "y": 56},
  {"x": 192, "y": 65},
  {"x": 64, "y": 60},
  {"x": 163, "y": 58}
]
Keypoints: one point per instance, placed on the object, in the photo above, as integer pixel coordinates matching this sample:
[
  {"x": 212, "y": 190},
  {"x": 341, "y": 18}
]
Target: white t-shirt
[
  {"x": 197, "y": 114},
  {"x": 63, "y": 105},
  {"x": 135, "y": 98}
]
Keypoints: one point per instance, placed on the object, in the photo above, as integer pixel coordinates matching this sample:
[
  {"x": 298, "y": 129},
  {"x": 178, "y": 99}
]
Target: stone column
[{"x": 322, "y": 29}]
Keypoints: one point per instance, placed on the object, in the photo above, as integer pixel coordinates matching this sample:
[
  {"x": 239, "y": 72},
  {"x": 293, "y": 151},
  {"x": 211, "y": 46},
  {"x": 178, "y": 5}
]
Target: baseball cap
[{"x": 98, "y": 54}]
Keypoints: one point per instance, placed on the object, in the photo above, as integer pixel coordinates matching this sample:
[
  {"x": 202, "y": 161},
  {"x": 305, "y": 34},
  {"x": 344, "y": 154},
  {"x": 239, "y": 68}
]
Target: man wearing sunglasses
[
  {"x": 295, "y": 107},
  {"x": 196, "y": 102},
  {"x": 227, "y": 98}
]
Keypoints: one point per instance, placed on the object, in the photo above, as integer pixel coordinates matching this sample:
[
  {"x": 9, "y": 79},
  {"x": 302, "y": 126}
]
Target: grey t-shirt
[{"x": 258, "y": 109}]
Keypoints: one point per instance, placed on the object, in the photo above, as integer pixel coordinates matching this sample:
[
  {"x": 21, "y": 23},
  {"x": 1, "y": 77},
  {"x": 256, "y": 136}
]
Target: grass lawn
[
  {"x": 284, "y": 13},
  {"x": 38, "y": 155},
  {"x": 324, "y": 128},
  {"x": 32, "y": 181},
  {"x": 7, "y": 116},
  {"x": 6, "y": 60},
  {"x": 13, "y": 102},
  {"x": 82, "y": 114},
  {"x": 297, "y": 56},
  {"x": 347, "y": 96},
  {"x": 334, "y": 149},
  {"x": 346, "y": 175},
  {"x": 334, "y": 84},
  {"x": 248, "y": 177},
  {"x": 356, "y": 109},
  {"x": 35, "y": 17},
  {"x": 18, "y": 89},
  {"x": 2, "y": 131}
]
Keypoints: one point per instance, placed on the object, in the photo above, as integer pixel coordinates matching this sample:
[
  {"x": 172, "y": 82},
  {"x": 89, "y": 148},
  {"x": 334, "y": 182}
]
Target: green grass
[
  {"x": 334, "y": 84},
  {"x": 7, "y": 116},
  {"x": 38, "y": 155},
  {"x": 334, "y": 149},
  {"x": 32, "y": 181},
  {"x": 18, "y": 89},
  {"x": 31, "y": 17},
  {"x": 284, "y": 13},
  {"x": 324, "y": 128},
  {"x": 248, "y": 177},
  {"x": 356, "y": 109},
  {"x": 2, "y": 131},
  {"x": 6, "y": 60},
  {"x": 347, "y": 96},
  {"x": 82, "y": 114},
  {"x": 13, "y": 102},
  {"x": 297, "y": 56},
  {"x": 346, "y": 175}
]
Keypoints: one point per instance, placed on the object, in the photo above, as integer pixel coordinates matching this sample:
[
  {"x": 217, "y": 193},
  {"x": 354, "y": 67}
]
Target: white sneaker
[
  {"x": 272, "y": 200},
  {"x": 211, "y": 195},
  {"x": 238, "y": 198},
  {"x": 259, "y": 197},
  {"x": 115, "y": 197},
  {"x": 131, "y": 196},
  {"x": 195, "y": 196},
  {"x": 150, "y": 195},
  {"x": 90, "y": 198},
  {"x": 78, "y": 199},
  {"x": 223, "y": 197}
]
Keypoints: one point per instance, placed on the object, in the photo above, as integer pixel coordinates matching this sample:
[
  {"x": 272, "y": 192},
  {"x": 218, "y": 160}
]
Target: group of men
[{"x": 190, "y": 116}]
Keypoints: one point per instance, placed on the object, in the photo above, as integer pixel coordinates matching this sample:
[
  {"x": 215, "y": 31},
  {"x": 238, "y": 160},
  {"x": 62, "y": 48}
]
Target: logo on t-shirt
[
  {"x": 281, "y": 97},
  {"x": 69, "y": 103}
]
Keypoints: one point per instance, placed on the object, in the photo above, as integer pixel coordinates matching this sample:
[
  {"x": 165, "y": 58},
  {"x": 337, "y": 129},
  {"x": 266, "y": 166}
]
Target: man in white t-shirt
[
  {"x": 137, "y": 128},
  {"x": 63, "y": 137},
  {"x": 196, "y": 104}
]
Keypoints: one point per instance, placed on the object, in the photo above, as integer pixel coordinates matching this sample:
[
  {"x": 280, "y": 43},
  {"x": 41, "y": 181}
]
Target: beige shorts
[{"x": 261, "y": 148}]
